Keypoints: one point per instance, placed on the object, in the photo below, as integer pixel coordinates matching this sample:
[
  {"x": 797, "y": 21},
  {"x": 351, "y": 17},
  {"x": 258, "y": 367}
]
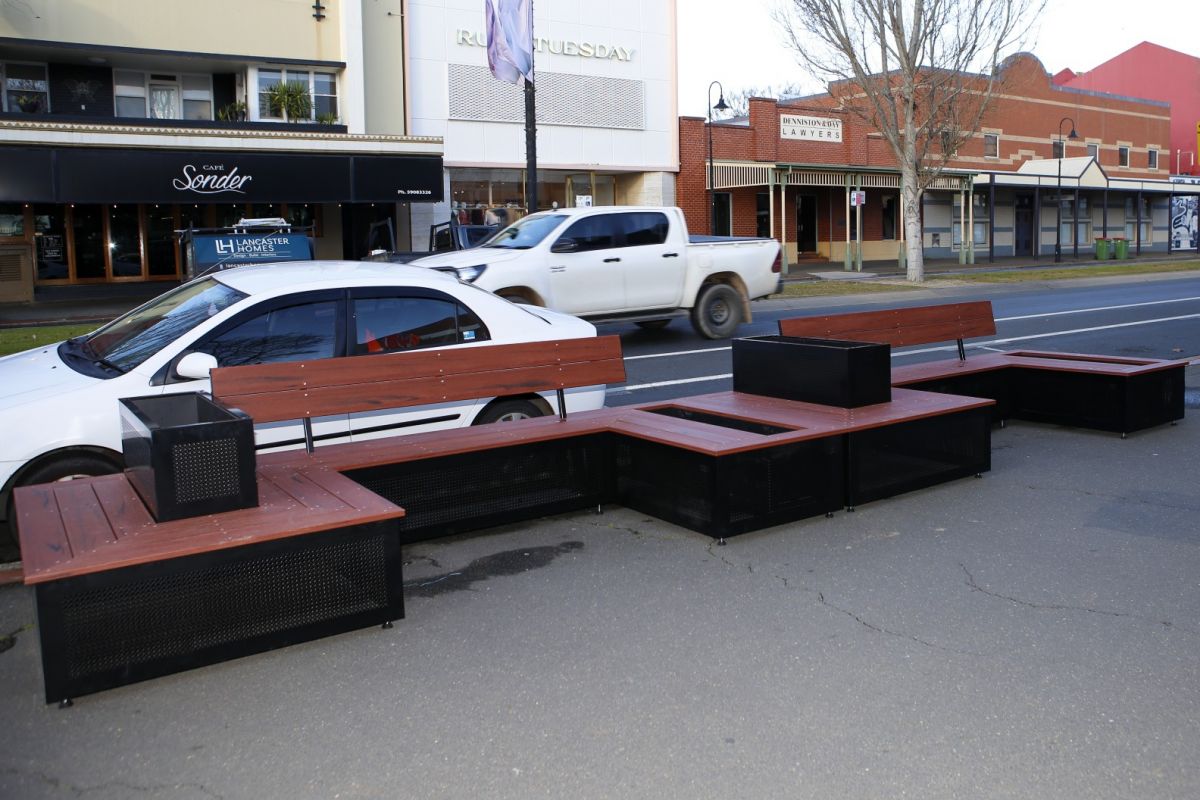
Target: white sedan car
[{"x": 58, "y": 403}]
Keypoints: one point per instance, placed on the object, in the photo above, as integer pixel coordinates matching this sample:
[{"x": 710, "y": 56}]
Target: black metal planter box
[
  {"x": 829, "y": 372},
  {"x": 186, "y": 456}
]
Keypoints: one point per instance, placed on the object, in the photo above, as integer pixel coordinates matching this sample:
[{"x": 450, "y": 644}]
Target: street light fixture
[
  {"x": 720, "y": 106},
  {"x": 1058, "y": 200}
]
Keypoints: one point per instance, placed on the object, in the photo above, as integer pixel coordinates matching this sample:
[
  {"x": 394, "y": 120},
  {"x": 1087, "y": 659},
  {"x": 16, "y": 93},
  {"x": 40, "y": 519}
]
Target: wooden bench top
[
  {"x": 1031, "y": 359},
  {"x": 305, "y": 389},
  {"x": 899, "y": 327},
  {"x": 73, "y": 528}
]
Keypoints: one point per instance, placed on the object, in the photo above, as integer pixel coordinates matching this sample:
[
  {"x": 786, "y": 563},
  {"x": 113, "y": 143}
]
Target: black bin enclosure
[
  {"x": 186, "y": 456},
  {"x": 828, "y": 372}
]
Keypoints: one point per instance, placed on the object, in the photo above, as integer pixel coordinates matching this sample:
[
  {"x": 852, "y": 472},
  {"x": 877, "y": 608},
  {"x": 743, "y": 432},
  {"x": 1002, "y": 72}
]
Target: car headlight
[{"x": 470, "y": 274}]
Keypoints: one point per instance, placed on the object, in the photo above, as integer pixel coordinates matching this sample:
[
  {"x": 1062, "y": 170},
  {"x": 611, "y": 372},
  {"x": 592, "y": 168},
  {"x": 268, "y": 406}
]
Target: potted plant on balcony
[
  {"x": 28, "y": 103},
  {"x": 232, "y": 112},
  {"x": 291, "y": 99}
]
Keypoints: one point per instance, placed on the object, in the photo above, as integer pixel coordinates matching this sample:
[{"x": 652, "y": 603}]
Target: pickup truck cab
[{"x": 627, "y": 263}]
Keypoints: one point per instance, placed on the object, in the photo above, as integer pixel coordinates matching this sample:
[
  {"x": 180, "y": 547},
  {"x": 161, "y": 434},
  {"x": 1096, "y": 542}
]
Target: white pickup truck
[{"x": 629, "y": 263}]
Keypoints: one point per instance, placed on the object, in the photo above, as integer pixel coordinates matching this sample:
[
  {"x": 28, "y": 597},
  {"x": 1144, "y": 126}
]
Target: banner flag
[{"x": 510, "y": 39}]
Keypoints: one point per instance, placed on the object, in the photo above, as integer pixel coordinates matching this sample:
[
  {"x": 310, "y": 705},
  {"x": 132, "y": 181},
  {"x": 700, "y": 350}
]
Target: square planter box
[
  {"x": 829, "y": 372},
  {"x": 186, "y": 456}
]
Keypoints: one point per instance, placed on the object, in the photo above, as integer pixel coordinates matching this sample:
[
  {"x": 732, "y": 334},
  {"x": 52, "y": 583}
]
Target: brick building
[{"x": 790, "y": 170}]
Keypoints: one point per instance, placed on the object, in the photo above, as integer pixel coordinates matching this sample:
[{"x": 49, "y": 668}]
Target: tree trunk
[{"x": 914, "y": 240}]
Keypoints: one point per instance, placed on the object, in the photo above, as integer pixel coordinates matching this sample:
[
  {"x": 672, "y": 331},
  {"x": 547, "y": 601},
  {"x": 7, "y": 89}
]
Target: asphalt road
[
  {"x": 1156, "y": 317},
  {"x": 1034, "y": 634}
]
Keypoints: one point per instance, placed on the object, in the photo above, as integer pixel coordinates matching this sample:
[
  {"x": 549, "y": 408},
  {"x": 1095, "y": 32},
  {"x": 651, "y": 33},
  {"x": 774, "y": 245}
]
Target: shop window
[
  {"x": 1075, "y": 223},
  {"x": 762, "y": 215},
  {"x": 50, "y": 242},
  {"x": 991, "y": 145},
  {"x": 723, "y": 202},
  {"x": 87, "y": 235},
  {"x": 161, "y": 244},
  {"x": 12, "y": 220},
  {"x": 124, "y": 241},
  {"x": 1123, "y": 156},
  {"x": 26, "y": 89},
  {"x": 388, "y": 324},
  {"x": 1131, "y": 220},
  {"x": 1152, "y": 159},
  {"x": 293, "y": 333},
  {"x": 890, "y": 212},
  {"x": 977, "y": 219}
]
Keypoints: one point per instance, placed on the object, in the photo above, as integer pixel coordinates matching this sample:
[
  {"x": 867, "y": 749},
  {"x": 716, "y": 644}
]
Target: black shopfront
[{"x": 93, "y": 215}]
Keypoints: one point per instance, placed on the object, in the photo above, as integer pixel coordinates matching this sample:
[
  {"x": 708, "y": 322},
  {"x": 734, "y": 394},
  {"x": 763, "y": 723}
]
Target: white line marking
[
  {"x": 679, "y": 353},
  {"x": 657, "y": 384},
  {"x": 1099, "y": 308}
]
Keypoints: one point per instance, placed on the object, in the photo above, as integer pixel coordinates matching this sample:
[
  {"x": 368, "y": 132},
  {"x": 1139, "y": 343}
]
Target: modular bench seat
[
  {"x": 1100, "y": 392},
  {"x": 122, "y": 597}
]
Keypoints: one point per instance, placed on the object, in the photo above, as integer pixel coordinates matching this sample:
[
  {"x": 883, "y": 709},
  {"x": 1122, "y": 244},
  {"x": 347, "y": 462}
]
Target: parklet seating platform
[
  {"x": 123, "y": 597},
  {"x": 1108, "y": 393}
]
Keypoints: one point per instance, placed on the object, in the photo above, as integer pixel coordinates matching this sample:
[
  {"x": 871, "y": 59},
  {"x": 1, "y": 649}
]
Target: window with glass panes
[
  {"x": 162, "y": 95},
  {"x": 322, "y": 90},
  {"x": 25, "y": 88},
  {"x": 1152, "y": 159},
  {"x": 977, "y": 219},
  {"x": 1131, "y": 219},
  {"x": 991, "y": 145},
  {"x": 1075, "y": 223}
]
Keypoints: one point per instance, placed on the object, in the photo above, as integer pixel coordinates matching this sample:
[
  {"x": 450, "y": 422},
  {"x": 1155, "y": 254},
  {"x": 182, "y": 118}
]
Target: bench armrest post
[
  {"x": 562, "y": 403},
  {"x": 308, "y": 435},
  {"x": 962, "y": 351}
]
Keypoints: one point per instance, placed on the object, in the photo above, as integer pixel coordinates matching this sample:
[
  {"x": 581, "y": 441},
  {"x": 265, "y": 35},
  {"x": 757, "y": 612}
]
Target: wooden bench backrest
[
  {"x": 305, "y": 389},
  {"x": 899, "y": 326}
]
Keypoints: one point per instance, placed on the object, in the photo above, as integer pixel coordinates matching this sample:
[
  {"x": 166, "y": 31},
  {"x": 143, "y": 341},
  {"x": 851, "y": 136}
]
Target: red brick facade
[{"x": 1025, "y": 117}]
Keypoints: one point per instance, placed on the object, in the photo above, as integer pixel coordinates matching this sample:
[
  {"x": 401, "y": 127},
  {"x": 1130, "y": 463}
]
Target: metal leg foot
[
  {"x": 828, "y": 515},
  {"x": 1174, "y": 422},
  {"x": 850, "y": 509},
  {"x": 66, "y": 702},
  {"x": 720, "y": 542},
  {"x": 1124, "y": 435},
  {"x": 1003, "y": 423},
  {"x": 978, "y": 474},
  {"x": 599, "y": 508},
  {"x": 387, "y": 625}
]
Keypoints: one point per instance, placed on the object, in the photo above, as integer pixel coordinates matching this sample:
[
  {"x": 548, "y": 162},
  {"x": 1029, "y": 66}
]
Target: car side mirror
[
  {"x": 565, "y": 245},
  {"x": 195, "y": 366}
]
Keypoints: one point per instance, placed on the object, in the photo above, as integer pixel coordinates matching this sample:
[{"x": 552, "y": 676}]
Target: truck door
[
  {"x": 585, "y": 266},
  {"x": 653, "y": 266}
]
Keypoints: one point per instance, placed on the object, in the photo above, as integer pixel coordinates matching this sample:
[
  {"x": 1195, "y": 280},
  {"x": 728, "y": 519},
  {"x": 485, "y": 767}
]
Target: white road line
[
  {"x": 657, "y": 384},
  {"x": 1100, "y": 308},
  {"x": 679, "y": 353}
]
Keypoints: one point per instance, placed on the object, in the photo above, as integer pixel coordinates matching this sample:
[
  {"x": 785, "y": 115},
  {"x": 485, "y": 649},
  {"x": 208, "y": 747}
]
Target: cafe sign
[{"x": 819, "y": 129}]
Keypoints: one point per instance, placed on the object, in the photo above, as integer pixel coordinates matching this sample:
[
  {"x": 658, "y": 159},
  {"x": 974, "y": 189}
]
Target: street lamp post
[
  {"x": 712, "y": 197},
  {"x": 1058, "y": 200}
]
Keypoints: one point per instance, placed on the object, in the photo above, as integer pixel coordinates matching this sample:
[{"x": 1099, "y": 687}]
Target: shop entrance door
[
  {"x": 1023, "y": 226},
  {"x": 806, "y": 224}
]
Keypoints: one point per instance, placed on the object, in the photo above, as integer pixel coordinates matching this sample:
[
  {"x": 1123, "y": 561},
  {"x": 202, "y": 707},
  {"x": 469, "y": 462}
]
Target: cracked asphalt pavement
[{"x": 1035, "y": 634}]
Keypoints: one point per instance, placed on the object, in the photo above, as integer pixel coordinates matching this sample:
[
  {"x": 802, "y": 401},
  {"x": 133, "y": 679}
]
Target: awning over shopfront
[{"x": 128, "y": 175}]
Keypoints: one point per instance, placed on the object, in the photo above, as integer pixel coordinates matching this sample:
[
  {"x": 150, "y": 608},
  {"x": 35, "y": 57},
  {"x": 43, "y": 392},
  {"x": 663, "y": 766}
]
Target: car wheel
[
  {"x": 66, "y": 467},
  {"x": 718, "y": 311},
  {"x": 508, "y": 411},
  {"x": 653, "y": 324}
]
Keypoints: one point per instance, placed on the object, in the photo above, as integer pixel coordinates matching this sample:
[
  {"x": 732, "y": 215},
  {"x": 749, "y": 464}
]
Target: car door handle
[
  {"x": 558, "y": 268},
  {"x": 670, "y": 255},
  {"x": 611, "y": 260}
]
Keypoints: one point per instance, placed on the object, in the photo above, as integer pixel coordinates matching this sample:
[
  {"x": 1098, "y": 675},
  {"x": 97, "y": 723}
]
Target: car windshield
[
  {"x": 527, "y": 232},
  {"x": 129, "y": 340}
]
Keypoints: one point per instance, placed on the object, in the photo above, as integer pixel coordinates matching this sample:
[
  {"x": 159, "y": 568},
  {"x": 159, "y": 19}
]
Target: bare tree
[
  {"x": 921, "y": 72},
  {"x": 738, "y": 100}
]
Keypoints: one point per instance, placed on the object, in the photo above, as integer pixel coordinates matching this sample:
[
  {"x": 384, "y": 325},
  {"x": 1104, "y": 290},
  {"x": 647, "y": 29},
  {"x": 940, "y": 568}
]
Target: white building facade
[{"x": 605, "y": 75}]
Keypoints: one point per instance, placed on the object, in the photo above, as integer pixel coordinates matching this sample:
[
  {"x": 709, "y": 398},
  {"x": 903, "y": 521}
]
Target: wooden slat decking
[
  {"x": 77, "y": 527},
  {"x": 899, "y": 327}
]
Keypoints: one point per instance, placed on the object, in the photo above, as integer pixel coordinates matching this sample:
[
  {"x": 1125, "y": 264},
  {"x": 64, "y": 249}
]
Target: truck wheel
[
  {"x": 718, "y": 311},
  {"x": 653, "y": 324},
  {"x": 507, "y": 411}
]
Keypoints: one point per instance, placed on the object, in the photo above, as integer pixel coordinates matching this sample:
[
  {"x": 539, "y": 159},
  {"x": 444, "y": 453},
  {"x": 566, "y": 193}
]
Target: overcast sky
[{"x": 738, "y": 44}]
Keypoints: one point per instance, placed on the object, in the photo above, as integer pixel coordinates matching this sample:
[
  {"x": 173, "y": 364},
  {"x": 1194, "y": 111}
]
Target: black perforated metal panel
[{"x": 206, "y": 470}]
